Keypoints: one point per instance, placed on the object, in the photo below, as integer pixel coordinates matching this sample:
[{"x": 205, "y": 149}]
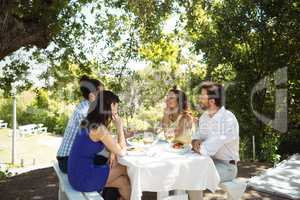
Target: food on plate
[
  {"x": 178, "y": 145},
  {"x": 148, "y": 140},
  {"x": 183, "y": 138},
  {"x": 138, "y": 138}
]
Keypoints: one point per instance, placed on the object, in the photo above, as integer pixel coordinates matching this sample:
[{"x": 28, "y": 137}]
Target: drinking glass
[{"x": 148, "y": 138}]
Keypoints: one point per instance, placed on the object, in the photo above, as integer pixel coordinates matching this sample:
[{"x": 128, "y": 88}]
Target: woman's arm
[
  {"x": 103, "y": 135},
  {"x": 113, "y": 147},
  {"x": 121, "y": 136},
  {"x": 165, "y": 121},
  {"x": 117, "y": 120},
  {"x": 185, "y": 122}
]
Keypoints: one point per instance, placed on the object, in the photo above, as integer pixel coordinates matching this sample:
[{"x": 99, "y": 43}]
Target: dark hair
[
  {"x": 181, "y": 98},
  {"x": 84, "y": 78},
  {"x": 88, "y": 85},
  {"x": 100, "y": 110},
  {"x": 214, "y": 91}
]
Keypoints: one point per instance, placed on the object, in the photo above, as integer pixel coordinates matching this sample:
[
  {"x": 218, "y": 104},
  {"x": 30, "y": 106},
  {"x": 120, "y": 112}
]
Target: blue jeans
[{"x": 227, "y": 171}]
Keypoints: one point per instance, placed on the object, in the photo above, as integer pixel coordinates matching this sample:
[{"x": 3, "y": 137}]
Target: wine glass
[
  {"x": 170, "y": 134},
  {"x": 148, "y": 138},
  {"x": 131, "y": 130}
]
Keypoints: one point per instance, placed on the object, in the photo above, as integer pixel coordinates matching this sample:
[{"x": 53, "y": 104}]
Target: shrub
[
  {"x": 40, "y": 109},
  {"x": 290, "y": 143},
  {"x": 269, "y": 147},
  {"x": 146, "y": 119},
  {"x": 4, "y": 172},
  {"x": 6, "y": 110},
  {"x": 245, "y": 149}
]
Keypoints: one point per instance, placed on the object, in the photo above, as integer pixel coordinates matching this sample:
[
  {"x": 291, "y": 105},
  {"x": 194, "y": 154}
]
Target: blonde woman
[{"x": 177, "y": 121}]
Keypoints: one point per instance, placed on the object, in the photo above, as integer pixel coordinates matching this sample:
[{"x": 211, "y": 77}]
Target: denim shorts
[{"x": 227, "y": 171}]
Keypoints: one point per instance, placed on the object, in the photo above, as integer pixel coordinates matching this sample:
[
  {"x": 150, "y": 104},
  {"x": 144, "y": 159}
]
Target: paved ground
[{"x": 42, "y": 184}]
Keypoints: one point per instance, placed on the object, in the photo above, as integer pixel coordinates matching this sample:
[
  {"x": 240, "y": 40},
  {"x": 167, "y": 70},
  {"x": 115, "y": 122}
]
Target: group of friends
[{"x": 88, "y": 152}]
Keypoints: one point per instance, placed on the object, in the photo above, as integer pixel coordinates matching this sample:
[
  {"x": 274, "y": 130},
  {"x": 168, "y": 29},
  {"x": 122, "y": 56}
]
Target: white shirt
[{"x": 220, "y": 135}]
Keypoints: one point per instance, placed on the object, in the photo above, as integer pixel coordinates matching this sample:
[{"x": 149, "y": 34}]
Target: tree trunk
[
  {"x": 259, "y": 101},
  {"x": 21, "y": 27}
]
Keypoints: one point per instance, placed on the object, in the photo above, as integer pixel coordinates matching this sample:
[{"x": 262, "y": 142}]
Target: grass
[{"x": 34, "y": 149}]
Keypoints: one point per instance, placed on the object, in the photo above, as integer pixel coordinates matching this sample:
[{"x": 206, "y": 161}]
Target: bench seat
[
  {"x": 28, "y": 129},
  {"x": 66, "y": 192},
  {"x": 3, "y": 125},
  {"x": 234, "y": 189}
]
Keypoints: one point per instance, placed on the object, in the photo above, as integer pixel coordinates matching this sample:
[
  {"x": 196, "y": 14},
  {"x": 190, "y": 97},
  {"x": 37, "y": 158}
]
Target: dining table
[{"x": 159, "y": 168}]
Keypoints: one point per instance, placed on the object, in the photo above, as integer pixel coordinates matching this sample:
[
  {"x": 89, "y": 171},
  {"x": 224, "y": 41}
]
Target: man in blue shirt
[{"x": 89, "y": 88}]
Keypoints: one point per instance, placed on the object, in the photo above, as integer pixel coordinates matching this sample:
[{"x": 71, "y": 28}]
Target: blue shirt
[{"x": 73, "y": 128}]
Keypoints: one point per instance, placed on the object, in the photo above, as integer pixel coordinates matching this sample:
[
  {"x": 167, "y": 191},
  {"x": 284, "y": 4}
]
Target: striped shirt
[{"x": 73, "y": 128}]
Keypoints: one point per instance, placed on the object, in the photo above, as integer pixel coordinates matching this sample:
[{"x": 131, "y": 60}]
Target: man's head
[
  {"x": 211, "y": 95},
  {"x": 89, "y": 87}
]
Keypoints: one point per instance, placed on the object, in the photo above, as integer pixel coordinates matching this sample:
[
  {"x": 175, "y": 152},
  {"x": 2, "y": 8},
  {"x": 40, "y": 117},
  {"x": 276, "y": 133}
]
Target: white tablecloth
[{"x": 161, "y": 170}]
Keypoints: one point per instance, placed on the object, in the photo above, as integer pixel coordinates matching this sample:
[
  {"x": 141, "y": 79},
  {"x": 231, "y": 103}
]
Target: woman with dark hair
[
  {"x": 177, "y": 120},
  {"x": 86, "y": 176},
  {"x": 89, "y": 88}
]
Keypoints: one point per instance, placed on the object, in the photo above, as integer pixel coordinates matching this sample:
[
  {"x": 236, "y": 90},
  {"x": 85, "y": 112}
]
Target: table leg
[
  {"x": 62, "y": 195},
  {"x": 162, "y": 195},
  {"x": 195, "y": 194},
  {"x": 176, "y": 192}
]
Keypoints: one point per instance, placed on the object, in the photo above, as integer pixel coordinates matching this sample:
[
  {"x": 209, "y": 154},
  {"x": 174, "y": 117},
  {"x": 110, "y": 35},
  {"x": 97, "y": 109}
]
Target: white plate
[
  {"x": 183, "y": 150},
  {"x": 135, "y": 151}
]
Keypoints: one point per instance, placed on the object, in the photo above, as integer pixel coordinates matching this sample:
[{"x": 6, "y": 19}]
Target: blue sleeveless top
[{"x": 83, "y": 174}]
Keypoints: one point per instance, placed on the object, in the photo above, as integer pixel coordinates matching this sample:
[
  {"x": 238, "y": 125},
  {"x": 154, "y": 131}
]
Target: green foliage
[
  {"x": 5, "y": 170},
  {"x": 269, "y": 148},
  {"x": 146, "y": 118},
  {"x": 245, "y": 149},
  {"x": 6, "y": 110},
  {"x": 148, "y": 15},
  {"x": 4, "y": 173},
  {"x": 42, "y": 99},
  {"x": 236, "y": 42},
  {"x": 289, "y": 143},
  {"x": 55, "y": 117},
  {"x": 13, "y": 72},
  {"x": 52, "y": 114},
  {"x": 249, "y": 39}
]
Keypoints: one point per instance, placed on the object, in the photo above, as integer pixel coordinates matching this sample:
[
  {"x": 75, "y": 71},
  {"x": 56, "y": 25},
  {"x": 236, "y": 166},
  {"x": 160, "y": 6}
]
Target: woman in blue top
[{"x": 83, "y": 174}]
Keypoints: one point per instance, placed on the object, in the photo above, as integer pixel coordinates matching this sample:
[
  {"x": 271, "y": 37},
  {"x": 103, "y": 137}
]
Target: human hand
[
  {"x": 196, "y": 144},
  {"x": 117, "y": 120}
]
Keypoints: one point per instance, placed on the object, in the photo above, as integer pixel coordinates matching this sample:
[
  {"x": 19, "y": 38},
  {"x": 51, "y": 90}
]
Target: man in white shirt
[{"x": 218, "y": 132}]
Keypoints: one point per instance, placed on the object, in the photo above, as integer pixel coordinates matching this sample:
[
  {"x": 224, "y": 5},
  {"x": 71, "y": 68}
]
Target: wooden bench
[
  {"x": 234, "y": 190},
  {"x": 66, "y": 192},
  {"x": 41, "y": 128},
  {"x": 28, "y": 129},
  {"x": 178, "y": 195},
  {"x": 3, "y": 124}
]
